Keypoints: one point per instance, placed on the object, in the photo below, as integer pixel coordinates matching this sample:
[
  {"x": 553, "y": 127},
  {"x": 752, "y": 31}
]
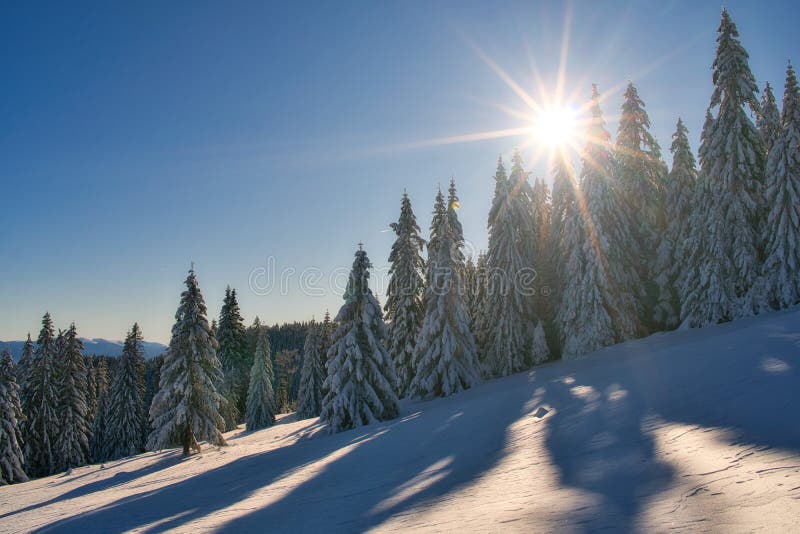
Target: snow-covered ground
[{"x": 691, "y": 430}]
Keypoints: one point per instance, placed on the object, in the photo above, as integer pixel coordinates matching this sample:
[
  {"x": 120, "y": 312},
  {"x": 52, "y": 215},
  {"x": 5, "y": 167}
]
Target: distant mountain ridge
[{"x": 96, "y": 346}]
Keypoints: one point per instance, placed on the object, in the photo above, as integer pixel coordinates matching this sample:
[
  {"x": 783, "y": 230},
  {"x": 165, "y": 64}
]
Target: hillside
[{"x": 690, "y": 430}]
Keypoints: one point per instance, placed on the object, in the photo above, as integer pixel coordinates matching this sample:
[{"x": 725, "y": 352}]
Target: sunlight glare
[{"x": 556, "y": 127}]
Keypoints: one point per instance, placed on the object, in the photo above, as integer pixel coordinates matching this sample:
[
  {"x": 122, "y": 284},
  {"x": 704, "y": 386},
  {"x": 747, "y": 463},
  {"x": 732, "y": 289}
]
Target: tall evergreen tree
[
  {"x": 673, "y": 253},
  {"x": 126, "y": 402},
  {"x": 445, "y": 354},
  {"x": 186, "y": 408},
  {"x": 545, "y": 265},
  {"x": 596, "y": 308},
  {"x": 732, "y": 160},
  {"x": 23, "y": 367},
  {"x": 564, "y": 187},
  {"x": 768, "y": 119},
  {"x": 260, "y": 396},
  {"x": 479, "y": 322},
  {"x": 508, "y": 308},
  {"x": 74, "y": 429},
  {"x": 312, "y": 374},
  {"x": 361, "y": 375},
  {"x": 640, "y": 179},
  {"x": 404, "y": 294},
  {"x": 99, "y": 444},
  {"x": 232, "y": 338},
  {"x": 782, "y": 232},
  {"x": 12, "y": 460},
  {"x": 91, "y": 391},
  {"x": 41, "y": 402}
]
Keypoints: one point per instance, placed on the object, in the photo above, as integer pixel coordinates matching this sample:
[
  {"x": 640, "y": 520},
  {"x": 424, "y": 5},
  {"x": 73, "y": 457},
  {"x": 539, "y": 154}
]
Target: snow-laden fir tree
[
  {"x": 508, "y": 337},
  {"x": 74, "y": 430},
  {"x": 640, "y": 177},
  {"x": 768, "y": 119},
  {"x": 12, "y": 461},
  {"x": 478, "y": 321},
  {"x": 126, "y": 413},
  {"x": 361, "y": 376},
  {"x": 782, "y": 230},
  {"x": 590, "y": 315},
  {"x": 186, "y": 408},
  {"x": 232, "y": 338},
  {"x": 445, "y": 354},
  {"x": 732, "y": 160},
  {"x": 260, "y": 396},
  {"x": 40, "y": 405},
  {"x": 564, "y": 186},
  {"x": 544, "y": 259},
  {"x": 312, "y": 374},
  {"x": 439, "y": 213},
  {"x": 673, "y": 252},
  {"x": 539, "y": 348},
  {"x": 404, "y": 294},
  {"x": 99, "y": 444},
  {"x": 91, "y": 392},
  {"x": 23, "y": 367}
]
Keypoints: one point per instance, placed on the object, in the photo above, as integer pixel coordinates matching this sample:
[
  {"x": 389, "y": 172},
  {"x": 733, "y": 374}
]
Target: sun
[{"x": 556, "y": 127}]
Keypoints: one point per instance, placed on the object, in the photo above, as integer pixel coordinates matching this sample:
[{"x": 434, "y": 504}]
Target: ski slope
[{"x": 690, "y": 431}]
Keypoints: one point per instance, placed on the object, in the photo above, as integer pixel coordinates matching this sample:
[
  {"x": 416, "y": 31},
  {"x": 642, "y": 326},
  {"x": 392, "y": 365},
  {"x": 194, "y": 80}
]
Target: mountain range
[{"x": 96, "y": 346}]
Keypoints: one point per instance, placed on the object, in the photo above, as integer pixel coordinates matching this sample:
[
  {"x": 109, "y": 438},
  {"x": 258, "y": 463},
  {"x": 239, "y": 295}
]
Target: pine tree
[
  {"x": 590, "y": 315},
  {"x": 126, "y": 402},
  {"x": 99, "y": 444},
  {"x": 260, "y": 397},
  {"x": 640, "y": 177},
  {"x": 404, "y": 294},
  {"x": 74, "y": 430},
  {"x": 232, "y": 338},
  {"x": 673, "y": 252},
  {"x": 11, "y": 457},
  {"x": 509, "y": 331},
  {"x": 41, "y": 399},
  {"x": 782, "y": 232},
  {"x": 23, "y": 367},
  {"x": 185, "y": 409},
  {"x": 445, "y": 354},
  {"x": 768, "y": 119},
  {"x": 312, "y": 374},
  {"x": 733, "y": 163},
  {"x": 361, "y": 376}
]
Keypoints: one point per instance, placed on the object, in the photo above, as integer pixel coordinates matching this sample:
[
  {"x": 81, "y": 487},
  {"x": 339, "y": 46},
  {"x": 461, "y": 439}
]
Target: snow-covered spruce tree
[
  {"x": 260, "y": 396},
  {"x": 312, "y": 374},
  {"x": 72, "y": 444},
  {"x": 674, "y": 253},
  {"x": 12, "y": 461},
  {"x": 781, "y": 268},
  {"x": 508, "y": 308},
  {"x": 478, "y": 321},
  {"x": 99, "y": 450},
  {"x": 23, "y": 367},
  {"x": 544, "y": 260},
  {"x": 640, "y": 179},
  {"x": 126, "y": 401},
  {"x": 404, "y": 294},
  {"x": 186, "y": 408},
  {"x": 91, "y": 392},
  {"x": 41, "y": 401},
  {"x": 733, "y": 163},
  {"x": 768, "y": 119},
  {"x": 232, "y": 337},
  {"x": 361, "y": 375},
  {"x": 564, "y": 186},
  {"x": 539, "y": 348},
  {"x": 445, "y": 354},
  {"x": 590, "y": 315}
]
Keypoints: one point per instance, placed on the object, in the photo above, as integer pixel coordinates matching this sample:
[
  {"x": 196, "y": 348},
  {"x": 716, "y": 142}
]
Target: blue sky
[{"x": 138, "y": 137}]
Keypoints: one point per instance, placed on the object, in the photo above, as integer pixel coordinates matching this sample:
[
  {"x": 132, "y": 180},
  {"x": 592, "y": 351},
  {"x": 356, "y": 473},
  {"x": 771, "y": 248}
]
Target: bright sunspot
[{"x": 555, "y": 127}]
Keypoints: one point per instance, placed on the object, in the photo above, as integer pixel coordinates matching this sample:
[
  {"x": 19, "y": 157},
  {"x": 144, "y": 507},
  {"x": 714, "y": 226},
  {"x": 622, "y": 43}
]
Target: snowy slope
[{"x": 691, "y": 430}]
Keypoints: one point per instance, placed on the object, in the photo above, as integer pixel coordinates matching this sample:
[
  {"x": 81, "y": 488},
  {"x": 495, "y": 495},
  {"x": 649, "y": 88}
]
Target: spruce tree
[
  {"x": 23, "y": 367},
  {"x": 564, "y": 186},
  {"x": 12, "y": 461},
  {"x": 479, "y": 322},
  {"x": 186, "y": 408},
  {"x": 260, "y": 396},
  {"x": 99, "y": 450},
  {"x": 732, "y": 160},
  {"x": 782, "y": 230},
  {"x": 445, "y": 354},
  {"x": 544, "y": 263},
  {"x": 74, "y": 430},
  {"x": 404, "y": 294},
  {"x": 232, "y": 338},
  {"x": 361, "y": 376},
  {"x": 509, "y": 332},
  {"x": 41, "y": 402},
  {"x": 312, "y": 374},
  {"x": 91, "y": 391},
  {"x": 673, "y": 251},
  {"x": 768, "y": 119},
  {"x": 640, "y": 175},
  {"x": 126, "y": 401}
]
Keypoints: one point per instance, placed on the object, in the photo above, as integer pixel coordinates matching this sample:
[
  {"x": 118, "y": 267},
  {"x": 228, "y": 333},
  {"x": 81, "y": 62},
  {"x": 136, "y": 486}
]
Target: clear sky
[{"x": 138, "y": 137}]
